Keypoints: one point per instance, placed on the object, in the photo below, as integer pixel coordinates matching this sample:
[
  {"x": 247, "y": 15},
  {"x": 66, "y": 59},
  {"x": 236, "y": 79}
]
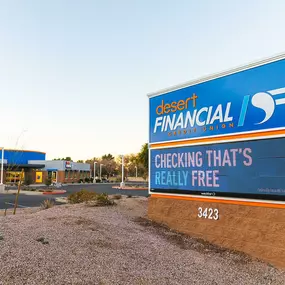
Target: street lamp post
[
  {"x": 94, "y": 179},
  {"x": 2, "y": 188},
  {"x": 2, "y": 166},
  {"x": 122, "y": 183},
  {"x": 101, "y": 171},
  {"x": 136, "y": 171}
]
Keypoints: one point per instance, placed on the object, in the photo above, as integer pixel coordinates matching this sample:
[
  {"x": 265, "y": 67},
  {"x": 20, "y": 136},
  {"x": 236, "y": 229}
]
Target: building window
[{"x": 14, "y": 176}]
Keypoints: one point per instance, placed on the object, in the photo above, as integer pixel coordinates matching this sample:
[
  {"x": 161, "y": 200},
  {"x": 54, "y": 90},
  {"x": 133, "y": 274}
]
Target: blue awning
[{"x": 52, "y": 169}]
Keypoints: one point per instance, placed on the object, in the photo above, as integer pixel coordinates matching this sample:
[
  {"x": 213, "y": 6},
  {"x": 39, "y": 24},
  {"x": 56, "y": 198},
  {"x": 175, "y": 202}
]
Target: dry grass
[{"x": 47, "y": 204}]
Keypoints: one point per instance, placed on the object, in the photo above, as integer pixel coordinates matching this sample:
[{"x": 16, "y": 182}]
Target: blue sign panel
[
  {"x": 248, "y": 101},
  {"x": 238, "y": 169}
]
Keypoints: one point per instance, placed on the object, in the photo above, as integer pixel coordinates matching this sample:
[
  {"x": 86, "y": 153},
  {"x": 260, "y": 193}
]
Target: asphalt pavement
[{"x": 7, "y": 200}]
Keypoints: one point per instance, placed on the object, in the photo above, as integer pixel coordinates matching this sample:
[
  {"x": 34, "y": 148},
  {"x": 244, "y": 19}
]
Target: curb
[
  {"x": 130, "y": 188},
  {"x": 54, "y": 192}
]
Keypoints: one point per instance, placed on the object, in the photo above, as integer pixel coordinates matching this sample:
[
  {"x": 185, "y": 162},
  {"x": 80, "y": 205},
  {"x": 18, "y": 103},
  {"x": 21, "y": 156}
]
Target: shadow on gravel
[{"x": 186, "y": 242}]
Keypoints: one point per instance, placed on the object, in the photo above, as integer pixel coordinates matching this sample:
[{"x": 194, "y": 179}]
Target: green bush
[
  {"x": 103, "y": 200},
  {"x": 48, "y": 181},
  {"x": 119, "y": 179},
  {"x": 80, "y": 181},
  {"x": 87, "y": 180},
  {"x": 81, "y": 196}
]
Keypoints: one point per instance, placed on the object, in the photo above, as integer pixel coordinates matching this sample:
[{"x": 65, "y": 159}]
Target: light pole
[
  {"x": 94, "y": 179},
  {"x": 101, "y": 171},
  {"x": 136, "y": 171},
  {"x": 122, "y": 183},
  {"x": 2, "y": 166}
]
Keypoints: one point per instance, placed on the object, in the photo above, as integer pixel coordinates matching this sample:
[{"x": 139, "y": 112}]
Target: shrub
[
  {"x": 80, "y": 181},
  {"x": 119, "y": 179},
  {"x": 87, "y": 180},
  {"x": 81, "y": 196},
  {"x": 48, "y": 181},
  {"x": 103, "y": 200},
  {"x": 46, "y": 204}
]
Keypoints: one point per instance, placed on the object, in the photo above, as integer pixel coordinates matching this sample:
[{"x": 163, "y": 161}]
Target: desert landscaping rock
[{"x": 115, "y": 245}]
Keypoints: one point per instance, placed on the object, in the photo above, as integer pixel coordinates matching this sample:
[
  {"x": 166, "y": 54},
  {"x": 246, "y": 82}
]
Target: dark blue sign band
[{"x": 254, "y": 169}]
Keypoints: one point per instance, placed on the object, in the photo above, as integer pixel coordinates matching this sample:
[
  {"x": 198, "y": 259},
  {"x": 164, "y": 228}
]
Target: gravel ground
[{"x": 76, "y": 244}]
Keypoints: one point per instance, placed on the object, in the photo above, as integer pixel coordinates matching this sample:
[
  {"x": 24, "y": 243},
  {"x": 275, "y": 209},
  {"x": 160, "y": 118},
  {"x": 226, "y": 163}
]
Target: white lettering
[
  {"x": 190, "y": 120},
  {"x": 218, "y": 115},
  {"x": 157, "y": 123},
  {"x": 198, "y": 122},
  {"x": 227, "y": 118}
]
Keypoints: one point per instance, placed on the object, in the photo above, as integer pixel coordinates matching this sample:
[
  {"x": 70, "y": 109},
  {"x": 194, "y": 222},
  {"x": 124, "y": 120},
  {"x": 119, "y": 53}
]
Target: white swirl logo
[{"x": 264, "y": 101}]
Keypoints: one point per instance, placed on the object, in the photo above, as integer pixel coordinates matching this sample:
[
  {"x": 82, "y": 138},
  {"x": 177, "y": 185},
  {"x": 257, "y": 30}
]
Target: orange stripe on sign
[
  {"x": 222, "y": 138},
  {"x": 223, "y": 201}
]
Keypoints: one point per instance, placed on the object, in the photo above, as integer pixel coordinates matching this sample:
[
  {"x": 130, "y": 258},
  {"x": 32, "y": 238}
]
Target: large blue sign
[
  {"x": 247, "y": 101},
  {"x": 236, "y": 169}
]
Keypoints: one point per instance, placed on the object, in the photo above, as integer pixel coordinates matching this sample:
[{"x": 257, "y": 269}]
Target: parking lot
[{"x": 7, "y": 200}]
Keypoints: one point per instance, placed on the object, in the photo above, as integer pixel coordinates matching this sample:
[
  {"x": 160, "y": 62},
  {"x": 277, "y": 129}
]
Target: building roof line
[{"x": 23, "y": 150}]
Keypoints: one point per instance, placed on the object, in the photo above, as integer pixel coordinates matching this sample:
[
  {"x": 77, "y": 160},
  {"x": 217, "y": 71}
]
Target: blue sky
[{"x": 74, "y": 74}]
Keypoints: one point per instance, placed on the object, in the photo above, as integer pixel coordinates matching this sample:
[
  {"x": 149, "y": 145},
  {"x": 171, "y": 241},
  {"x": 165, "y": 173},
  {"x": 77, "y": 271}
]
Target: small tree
[{"x": 143, "y": 156}]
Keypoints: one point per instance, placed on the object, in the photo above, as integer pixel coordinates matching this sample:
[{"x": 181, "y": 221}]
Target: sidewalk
[
  {"x": 25, "y": 192},
  {"x": 130, "y": 188}
]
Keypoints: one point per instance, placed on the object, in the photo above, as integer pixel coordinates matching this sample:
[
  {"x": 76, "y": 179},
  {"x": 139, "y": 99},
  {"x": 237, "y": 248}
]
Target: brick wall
[
  {"x": 258, "y": 231},
  {"x": 61, "y": 177}
]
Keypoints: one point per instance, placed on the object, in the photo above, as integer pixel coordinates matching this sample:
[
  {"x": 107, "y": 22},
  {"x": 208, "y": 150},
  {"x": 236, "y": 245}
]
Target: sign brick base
[{"x": 257, "y": 230}]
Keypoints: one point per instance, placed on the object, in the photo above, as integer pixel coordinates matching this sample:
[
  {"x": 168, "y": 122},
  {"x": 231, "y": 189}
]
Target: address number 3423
[{"x": 208, "y": 213}]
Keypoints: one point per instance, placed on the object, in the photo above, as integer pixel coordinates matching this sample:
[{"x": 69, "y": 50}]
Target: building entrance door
[{"x": 53, "y": 176}]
